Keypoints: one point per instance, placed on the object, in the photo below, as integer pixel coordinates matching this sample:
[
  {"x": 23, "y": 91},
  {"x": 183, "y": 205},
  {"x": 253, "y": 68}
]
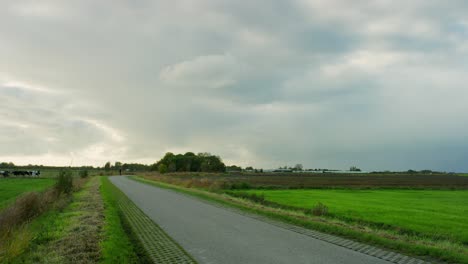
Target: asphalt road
[{"x": 216, "y": 235}]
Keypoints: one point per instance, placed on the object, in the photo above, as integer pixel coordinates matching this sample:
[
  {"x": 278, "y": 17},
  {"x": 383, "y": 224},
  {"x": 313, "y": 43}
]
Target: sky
[{"x": 329, "y": 84}]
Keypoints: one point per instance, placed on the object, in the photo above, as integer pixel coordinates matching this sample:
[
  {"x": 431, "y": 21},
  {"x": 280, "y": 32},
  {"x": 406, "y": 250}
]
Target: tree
[
  {"x": 107, "y": 166},
  {"x": 172, "y": 167},
  {"x": 118, "y": 164},
  {"x": 7, "y": 165},
  {"x": 190, "y": 162},
  {"x": 234, "y": 168},
  {"x": 136, "y": 167},
  {"x": 298, "y": 167},
  {"x": 84, "y": 173},
  {"x": 162, "y": 168}
]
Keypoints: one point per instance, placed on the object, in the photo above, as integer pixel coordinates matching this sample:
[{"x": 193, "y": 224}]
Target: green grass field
[
  {"x": 432, "y": 213},
  {"x": 10, "y": 188}
]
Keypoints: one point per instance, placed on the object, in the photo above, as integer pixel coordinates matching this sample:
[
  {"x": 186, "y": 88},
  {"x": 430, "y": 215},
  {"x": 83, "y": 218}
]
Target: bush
[
  {"x": 64, "y": 182},
  {"x": 319, "y": 209},
  {"x": 240, "y": 186},
  {"x": 162, "y": 168},
  {"x": 84, "y": 174},
  {"x": 257, "y": 198}
]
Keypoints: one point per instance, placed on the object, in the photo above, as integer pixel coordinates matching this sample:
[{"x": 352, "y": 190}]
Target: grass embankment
[
  {"x": 436, "y": 214},
  {"x": 117, "y": 247},
  {"x": 84, "y": 228},
  {"x": 17, "y": 230},
  {"x": 11, "y": 188},
  {"x": 411, "y": 244},
  {"x": 68, "y": 234}
]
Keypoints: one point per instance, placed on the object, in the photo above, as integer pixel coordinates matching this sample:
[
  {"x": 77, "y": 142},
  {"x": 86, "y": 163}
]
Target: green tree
[
  {"x": 298, "y": 167},
  {"x": 172, "y": 167},
  {"x": 190, "y": 162},
  {"x": 107, "y": 166},
  {"x": 84, "y": 173},
  {"x": 64, "y": 182},
  {"x": 118, "y": 165},
  {"x": 162, "y": 168}
]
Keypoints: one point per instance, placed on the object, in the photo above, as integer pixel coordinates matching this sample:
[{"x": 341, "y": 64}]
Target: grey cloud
[{"x": 325, "y": 83}]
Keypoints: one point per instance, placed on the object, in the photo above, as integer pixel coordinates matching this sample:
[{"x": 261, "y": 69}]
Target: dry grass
[
  {"x": 79, "y": 227},
  {"x": 81, "y": 244},
  {"x": 15, "y": 220}
]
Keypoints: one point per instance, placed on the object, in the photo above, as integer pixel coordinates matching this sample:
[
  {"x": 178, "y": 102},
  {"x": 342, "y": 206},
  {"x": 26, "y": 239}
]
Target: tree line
[{"x": 189, "y": 162}]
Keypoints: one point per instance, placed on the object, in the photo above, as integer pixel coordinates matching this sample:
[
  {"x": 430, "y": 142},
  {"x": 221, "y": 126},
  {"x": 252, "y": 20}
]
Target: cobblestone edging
[
  {"x": 387, "y": 255},
  {"x": 159, "y": 247}
]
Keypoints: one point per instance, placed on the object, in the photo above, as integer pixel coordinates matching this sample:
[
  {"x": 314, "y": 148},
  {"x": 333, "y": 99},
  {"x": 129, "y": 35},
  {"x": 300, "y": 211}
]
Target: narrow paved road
[{"x": 215, "y": 235}]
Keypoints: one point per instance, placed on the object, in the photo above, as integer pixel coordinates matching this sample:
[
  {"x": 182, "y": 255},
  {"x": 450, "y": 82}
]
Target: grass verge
[
  {"x": 118, "y": 245},
  {"x": 411, "y": 245},
  {"x": 69, "y": 234},
  {"x": 152, "y": 243},
  {"x": 17, "y": 231}
]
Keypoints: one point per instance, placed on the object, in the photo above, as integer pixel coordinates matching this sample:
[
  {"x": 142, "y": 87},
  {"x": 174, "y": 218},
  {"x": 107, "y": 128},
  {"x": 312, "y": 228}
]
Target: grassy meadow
[
  {"x": 432, "y": 213},
  {"x": 10, "y": 188}
]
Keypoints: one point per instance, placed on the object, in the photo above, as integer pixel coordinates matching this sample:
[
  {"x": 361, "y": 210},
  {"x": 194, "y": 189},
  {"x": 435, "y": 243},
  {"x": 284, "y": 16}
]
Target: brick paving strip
[{"x": 159, "y": 247}]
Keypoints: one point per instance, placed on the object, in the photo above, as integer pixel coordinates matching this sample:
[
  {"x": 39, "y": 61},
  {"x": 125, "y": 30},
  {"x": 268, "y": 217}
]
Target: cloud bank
[{"x": 380, "y": 85}]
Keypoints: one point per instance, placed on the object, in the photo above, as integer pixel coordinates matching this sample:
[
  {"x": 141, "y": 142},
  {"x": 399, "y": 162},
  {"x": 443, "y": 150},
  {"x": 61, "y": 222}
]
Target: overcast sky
[{"x": 326, "y": 83}]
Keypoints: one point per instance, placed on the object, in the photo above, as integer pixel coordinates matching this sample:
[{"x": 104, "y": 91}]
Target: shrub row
[{"x": 30, "y": 205}]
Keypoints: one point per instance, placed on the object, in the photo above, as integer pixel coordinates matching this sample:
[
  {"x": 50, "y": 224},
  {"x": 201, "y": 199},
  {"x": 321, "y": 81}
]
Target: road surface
[{"x": 216, "y": 235}]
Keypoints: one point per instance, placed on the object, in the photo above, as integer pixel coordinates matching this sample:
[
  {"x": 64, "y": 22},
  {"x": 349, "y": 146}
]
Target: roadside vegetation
[
  {"x": 18, "y": 219},
  {"x": 70, "y": 234},
  {"x": 117, "y": 246},
  {"x": 67, "y": 219},
  {"x": 335, "y": 211}
]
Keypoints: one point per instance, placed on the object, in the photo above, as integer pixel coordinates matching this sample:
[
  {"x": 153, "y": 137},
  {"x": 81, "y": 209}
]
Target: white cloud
[
  {"x": 210, "y": 71},
  {"x": 43, "y": 9}
]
